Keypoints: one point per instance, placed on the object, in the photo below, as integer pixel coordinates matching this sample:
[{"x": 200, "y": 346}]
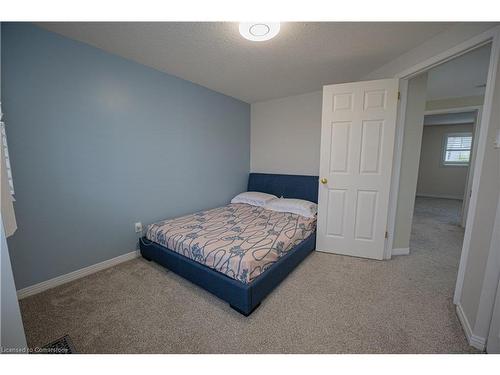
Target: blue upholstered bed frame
[{"x": 244, "y": 298}]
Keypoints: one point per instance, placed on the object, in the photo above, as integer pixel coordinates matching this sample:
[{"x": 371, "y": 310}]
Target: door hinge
[
  {"x": 386, "y": 234},
  {"x": 399, "y": 95}
]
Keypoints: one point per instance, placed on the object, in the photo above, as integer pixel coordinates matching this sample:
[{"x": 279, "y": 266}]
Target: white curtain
[{"x": 6, "y": 186}]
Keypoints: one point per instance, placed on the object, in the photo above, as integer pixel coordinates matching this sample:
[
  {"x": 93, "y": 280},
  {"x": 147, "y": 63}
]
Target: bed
[{"x": 239, "y": 253}]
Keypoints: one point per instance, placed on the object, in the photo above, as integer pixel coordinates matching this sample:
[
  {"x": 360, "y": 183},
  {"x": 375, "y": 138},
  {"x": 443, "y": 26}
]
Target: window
[
  {"x": 5, "y": 150},
  {"x": 456, "y": 149}
]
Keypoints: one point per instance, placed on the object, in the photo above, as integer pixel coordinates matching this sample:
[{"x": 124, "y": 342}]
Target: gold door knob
[{"x": 323, "y": 180}]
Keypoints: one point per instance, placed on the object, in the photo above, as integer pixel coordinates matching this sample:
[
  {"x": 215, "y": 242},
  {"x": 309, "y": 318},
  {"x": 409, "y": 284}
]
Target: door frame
[
  {"x": 490, "y": 36},
  {"x": 478, "y": 111}
]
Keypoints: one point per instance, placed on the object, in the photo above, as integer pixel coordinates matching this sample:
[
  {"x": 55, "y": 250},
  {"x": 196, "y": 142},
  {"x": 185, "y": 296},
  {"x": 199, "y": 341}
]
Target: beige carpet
[{"x": 329, "y": 304}]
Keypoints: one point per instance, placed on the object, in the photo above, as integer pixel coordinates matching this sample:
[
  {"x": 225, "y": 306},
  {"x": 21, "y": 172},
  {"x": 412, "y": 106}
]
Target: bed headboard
[{"x": 286, "y": 185}]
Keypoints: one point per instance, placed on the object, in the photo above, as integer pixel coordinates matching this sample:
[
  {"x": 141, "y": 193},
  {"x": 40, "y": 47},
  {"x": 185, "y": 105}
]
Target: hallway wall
[
  {"x": 434, "y": 178},
  {"x": 476, "y": 297},
  {"x": 410, "y": 157}
]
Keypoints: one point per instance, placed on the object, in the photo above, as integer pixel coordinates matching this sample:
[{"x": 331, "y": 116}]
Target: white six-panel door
[{"x": 357, "y": 143}]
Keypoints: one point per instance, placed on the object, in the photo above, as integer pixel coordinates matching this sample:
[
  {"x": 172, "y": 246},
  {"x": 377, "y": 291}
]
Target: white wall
[
  {"x": 410, "y": 157},
  {"x": 435, "y": 179},
  {"x": 476, "y": 300},
  {"x": 494, "y": 290},
  {"x": 448, "y": 103},
  {"x": 285, "y": 135}
]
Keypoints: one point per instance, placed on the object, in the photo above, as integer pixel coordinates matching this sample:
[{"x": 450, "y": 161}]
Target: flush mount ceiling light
[{"x": 259, "y": 31}]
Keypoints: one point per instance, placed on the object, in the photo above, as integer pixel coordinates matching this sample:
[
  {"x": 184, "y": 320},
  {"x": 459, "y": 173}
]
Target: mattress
[{"x": 238, "y": 240}]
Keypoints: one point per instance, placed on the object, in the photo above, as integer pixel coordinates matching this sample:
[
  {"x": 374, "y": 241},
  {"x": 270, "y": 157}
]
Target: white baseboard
[
  {"x": 440, "y": 196},
  {"x": 474, "y": 341},
  {"x": 400, "y": 251},
  {"x": 63, "y": 279}
]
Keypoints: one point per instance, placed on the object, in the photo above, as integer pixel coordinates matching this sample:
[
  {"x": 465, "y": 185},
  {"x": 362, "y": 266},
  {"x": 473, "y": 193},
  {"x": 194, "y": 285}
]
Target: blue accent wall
[{"x": 98, "y": 142}]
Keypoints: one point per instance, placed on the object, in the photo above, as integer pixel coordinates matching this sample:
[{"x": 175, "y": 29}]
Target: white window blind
[
  {"x": 5, "y": 150},
  {"x": 457, "y": 148}
]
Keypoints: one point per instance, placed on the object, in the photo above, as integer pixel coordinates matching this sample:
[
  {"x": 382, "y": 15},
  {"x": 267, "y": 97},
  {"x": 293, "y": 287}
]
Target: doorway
[
  {"x": 443, "y": 137},
  {"x": 451, "y": 144},
  {"x": 438, "y": 142},
  {"x": 447, "y": 154}
]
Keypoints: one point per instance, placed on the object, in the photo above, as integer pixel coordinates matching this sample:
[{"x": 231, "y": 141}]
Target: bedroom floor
[{"x": 329, "y": 304}]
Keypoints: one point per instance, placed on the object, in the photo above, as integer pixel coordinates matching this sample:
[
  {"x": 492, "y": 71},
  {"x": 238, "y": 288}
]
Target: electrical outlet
[{"x": 138, "y": 227}]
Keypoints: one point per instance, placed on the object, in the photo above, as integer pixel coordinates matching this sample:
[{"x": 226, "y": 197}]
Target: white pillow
[
  {"x": 253, "y": 198},
  {"x": 295, "y": 206}
]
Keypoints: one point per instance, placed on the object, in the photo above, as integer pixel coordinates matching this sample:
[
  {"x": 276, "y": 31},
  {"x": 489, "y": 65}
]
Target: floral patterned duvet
[{"x": 239, "y": 240}]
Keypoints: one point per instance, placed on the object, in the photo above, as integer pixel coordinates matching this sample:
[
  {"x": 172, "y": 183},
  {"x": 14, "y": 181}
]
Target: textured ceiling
[{"x": 302, "y": 58}]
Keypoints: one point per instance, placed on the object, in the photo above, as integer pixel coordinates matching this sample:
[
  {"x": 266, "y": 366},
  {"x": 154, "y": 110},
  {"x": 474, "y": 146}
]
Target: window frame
[{"x": 444, "y": 149}]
